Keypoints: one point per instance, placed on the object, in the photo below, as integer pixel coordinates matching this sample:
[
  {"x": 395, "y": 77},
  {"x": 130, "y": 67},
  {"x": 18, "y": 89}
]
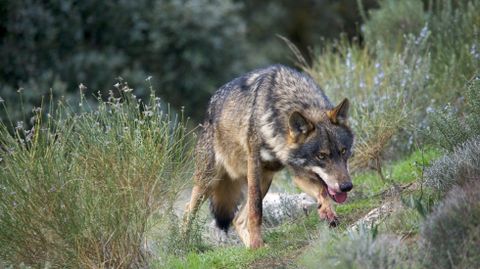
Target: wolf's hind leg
[
  {"x": 199, "y": 194},
  {"x": 196, "y": 200},
  {"x": 203, "y": 176}
]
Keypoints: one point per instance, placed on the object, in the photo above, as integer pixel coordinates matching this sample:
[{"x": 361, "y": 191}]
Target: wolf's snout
[{"x": 346, "y": 186}]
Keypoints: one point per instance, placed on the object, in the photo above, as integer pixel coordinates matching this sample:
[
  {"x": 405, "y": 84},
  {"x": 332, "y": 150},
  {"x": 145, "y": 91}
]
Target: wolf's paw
[
  {"x": 325, "y": 212},
  {"x": 256, "y": 243}
]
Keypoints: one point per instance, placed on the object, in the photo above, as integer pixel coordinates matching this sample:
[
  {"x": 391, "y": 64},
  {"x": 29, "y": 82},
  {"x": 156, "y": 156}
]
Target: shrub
[
  {"x": 188, "y": 47},
  {"x": 392, "y": 22},
  {"x": 84, "y": 190},
  {"x": 454, "y": 46},
  {"x": 450, "y": 127},
  {"x": 361, "y": 248},
  {"x": 455, "y": 168},
  {"x": 451, "y": 234},
  {"x": 453, "y": 43}
]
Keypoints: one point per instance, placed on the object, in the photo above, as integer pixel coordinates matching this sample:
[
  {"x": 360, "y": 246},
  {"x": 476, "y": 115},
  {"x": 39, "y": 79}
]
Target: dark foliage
[{"x": 189, "y": 48}]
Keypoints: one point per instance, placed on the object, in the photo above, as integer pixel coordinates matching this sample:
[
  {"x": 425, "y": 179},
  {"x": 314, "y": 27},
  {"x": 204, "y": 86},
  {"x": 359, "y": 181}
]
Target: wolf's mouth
[{"x": 339, "y": 197}]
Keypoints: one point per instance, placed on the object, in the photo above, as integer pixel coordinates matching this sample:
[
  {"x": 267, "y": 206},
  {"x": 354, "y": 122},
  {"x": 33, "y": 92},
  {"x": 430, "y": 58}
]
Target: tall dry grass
[{"x": 84, "y": 186}]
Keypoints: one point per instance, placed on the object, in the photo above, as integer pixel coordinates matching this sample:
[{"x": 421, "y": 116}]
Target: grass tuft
[{"x": 83, "y": 189}]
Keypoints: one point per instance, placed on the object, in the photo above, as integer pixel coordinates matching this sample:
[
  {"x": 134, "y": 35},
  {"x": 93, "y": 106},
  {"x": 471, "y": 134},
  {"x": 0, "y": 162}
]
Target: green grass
[
  {"x": 370, "y": 186},
  {"x": 280, "y": 242},
  {"x": 366, "y": 248},
  {"x": 289, "y": 239},
  {"x": 401, "y": 172},
  {"x": 404, "y": 221},
  {"x": 228, "y": 257},
  {"x": 82, "y": 189},
  {"x": 353, "y": 210}
]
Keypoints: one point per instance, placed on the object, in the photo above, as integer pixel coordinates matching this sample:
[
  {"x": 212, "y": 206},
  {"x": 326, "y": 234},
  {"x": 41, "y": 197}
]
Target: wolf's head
[{"x": 320, "y": 149}]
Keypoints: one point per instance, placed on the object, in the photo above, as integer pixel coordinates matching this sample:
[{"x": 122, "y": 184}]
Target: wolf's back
[{"x": 276, "y": 90}]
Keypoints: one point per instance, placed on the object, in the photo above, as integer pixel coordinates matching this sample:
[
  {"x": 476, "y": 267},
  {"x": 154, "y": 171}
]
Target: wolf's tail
[{"x": 224, "y": 202}]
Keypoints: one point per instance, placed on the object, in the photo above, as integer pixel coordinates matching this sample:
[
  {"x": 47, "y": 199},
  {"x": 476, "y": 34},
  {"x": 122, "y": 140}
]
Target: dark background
[{"x": 189, "y": 48}]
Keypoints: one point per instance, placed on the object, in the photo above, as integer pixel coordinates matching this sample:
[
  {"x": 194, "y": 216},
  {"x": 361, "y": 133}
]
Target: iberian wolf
[{"x": 258, "y": 124}]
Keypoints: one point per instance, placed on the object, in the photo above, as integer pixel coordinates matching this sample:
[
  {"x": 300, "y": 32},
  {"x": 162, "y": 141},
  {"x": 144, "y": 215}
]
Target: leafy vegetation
[
  {"x": 361, "y": 248},
  {"x": 440, "y": 213},
  {"x": 84, "y": 189},
  {"x": 188, "y": 47},
  {"x": 93, "y": 183},
  {"x": 393, "y": 79},
  {"x": 451, "y": 233},
  {"x": 455, "y": 168},
  {"x": 451, "y": 127}
]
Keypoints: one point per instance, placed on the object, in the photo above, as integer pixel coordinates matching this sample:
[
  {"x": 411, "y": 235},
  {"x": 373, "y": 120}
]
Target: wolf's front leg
[
  {"x": 325, "y": 209},
  {"x": 317, "y": 190},
  {"x": 241, "y": 219},
  {"x": 254, "y": 195}
]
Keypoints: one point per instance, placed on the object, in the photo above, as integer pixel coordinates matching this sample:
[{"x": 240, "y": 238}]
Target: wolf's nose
[{"x": 346, "y": 186}]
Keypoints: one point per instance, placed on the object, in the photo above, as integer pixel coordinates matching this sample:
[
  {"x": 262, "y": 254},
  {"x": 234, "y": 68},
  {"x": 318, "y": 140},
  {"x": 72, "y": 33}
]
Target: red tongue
[{"x": 339, "y": 197}]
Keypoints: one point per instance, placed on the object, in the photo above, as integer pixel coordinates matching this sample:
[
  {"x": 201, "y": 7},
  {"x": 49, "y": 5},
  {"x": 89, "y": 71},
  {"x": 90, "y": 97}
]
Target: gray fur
[{"x": 281, "y": 115}]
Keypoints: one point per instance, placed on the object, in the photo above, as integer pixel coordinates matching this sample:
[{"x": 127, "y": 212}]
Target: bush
[
  {"x": 392, "y": 22},
  {"x": 450, "y": 127},
  {"x": 393, "y": 80},
  {"x": 84, "y": 190},
  {"x": 188, "y": 47},
  {"x": 451, "y": 234},
  {"x": 454, "y": 46},
  {"x": 455, "y": 168},
  {"x": 362, "y": 248}
]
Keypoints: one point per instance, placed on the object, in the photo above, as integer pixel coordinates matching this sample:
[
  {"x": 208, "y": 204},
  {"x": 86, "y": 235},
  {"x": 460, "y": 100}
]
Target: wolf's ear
[
  {"x": 339, "y": 114},
  {"x": 299, "y": 127}
]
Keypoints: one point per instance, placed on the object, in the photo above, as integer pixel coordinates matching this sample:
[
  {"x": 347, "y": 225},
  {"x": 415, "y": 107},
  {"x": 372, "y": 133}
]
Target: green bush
[
  {"x": 450, "y": 127},
  {"x": 454, "y": 46},
  {"x": 362, "y": 248},
  {"x": 188, "y": 47},
  {"x": 392, "y": 22},
  {"x": 451, "y": 234},
  {"x": 85, "y": 190},
  {"x": 455, "y": 168}
]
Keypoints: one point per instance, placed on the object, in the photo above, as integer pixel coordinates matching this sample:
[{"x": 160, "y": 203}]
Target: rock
[
  {"x": 281, "y": 207},
  {"x": 278, "y": 208},
  {"x": 376, "y": 215}
]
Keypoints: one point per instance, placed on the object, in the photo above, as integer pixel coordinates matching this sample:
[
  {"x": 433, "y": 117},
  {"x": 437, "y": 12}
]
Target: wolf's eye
[
  {"x": 322, "y": 156},
  {"x": 343, "y": 151}
]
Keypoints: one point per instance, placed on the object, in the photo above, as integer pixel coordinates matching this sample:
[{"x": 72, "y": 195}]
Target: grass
[
  {"x": 231, "y": 257},
  {"x": 413, "y": 60},
  {"x": 291, "y": 239},
  {"x": 87, "y": 184},
  {"x": 401, "y": 172},
  {"x": 82, "y": 189},
  {"x": 281, "y": 241},
  {"x": 351, "y": 211}
]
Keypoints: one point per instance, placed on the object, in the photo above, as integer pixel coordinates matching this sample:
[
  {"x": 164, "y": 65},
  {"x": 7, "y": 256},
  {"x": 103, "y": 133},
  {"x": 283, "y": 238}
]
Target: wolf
[{"x": 258, "y": 124}]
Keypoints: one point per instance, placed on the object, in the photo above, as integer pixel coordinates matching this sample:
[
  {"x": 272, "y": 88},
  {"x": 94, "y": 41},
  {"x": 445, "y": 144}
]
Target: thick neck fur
[{"x": 284, "y": 91}]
